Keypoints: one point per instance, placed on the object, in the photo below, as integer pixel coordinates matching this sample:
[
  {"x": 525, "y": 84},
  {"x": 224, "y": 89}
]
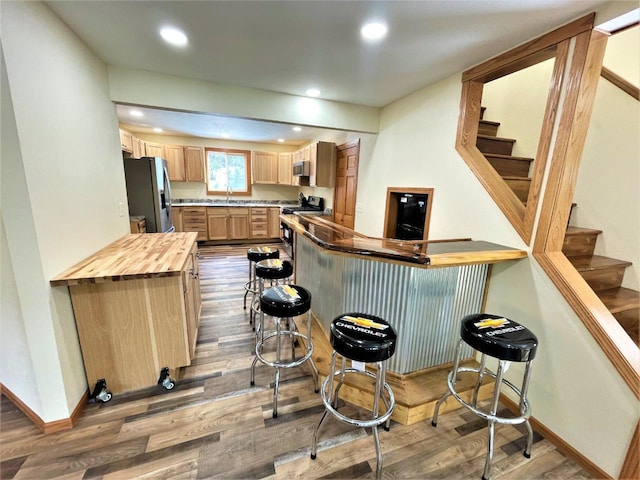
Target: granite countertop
[
  {"x": 206, "y": 202},
  {"x": 432, "y": 253}
]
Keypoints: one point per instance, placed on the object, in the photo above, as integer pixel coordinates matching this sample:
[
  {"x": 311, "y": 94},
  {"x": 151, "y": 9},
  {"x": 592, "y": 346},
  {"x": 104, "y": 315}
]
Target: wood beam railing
[{"x": 621, "y": 83}]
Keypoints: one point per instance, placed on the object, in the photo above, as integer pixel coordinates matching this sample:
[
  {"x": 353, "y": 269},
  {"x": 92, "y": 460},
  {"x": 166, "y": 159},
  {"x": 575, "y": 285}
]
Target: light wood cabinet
[
  {"x": 273, "y": 222},
  {"x": 138, "y": 224},
  {"x": 194, "y": 219},
  {"x": 174, "y": 155},
  {"x": 152, "y": 149},
  {"x": 126, "y": 141},
  {"x": 322, "y": 159},
  {"x": 193, "y": 300},
  {"x": 259, "y": 222},
  {"x": 285, "y": 176},
  {"x": 140, "y": 313},
  {"x": 176, "y": 217},
  {"x": 194, "y": 164},
  {"x": 238, "y": 223},
  {"x": 217, "y": 223},
  {"x": 138, "y": 148},
  {"x": 264, "y": 167}
]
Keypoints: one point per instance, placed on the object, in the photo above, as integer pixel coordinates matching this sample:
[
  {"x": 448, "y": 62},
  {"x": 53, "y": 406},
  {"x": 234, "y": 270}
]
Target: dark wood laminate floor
[{"x": 213, "y": 424}]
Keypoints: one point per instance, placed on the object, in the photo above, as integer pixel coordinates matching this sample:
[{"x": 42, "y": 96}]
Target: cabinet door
[
  {"x": 174, "y": 154},
  {"x": 273, "y": 226},
  {"x": 264, "y": 167},
  {"x": 217, "y": 225},
  {"x": 176, "y": 217},
  {"x": 323, "y": 156},
  {"x": 153, "y": 149},
  {"x": 138, "y": 148},
  {"x": 285, "y": 176},
  {"x": 194, "y": 164},
  {"x": 238, "y": 223},
  {"x": 126, "y": 141}
]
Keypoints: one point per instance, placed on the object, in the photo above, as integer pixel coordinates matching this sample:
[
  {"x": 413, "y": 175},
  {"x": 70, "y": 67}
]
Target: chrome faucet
[{"x": 229, "y": 192}]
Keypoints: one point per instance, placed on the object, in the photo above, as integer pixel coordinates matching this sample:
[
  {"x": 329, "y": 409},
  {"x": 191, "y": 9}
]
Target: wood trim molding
[
  {"x": 560, "y": 444},
  {"x": 607, "y": 332},
  {"x": 621, "y": 83},
  {"x": 46, "y": 427},
  {"x": 631, "y": 466},
  {"x": 518, "y": 58}
]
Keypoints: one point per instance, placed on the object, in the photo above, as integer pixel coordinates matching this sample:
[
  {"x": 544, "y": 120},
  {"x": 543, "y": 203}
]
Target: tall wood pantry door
[{"x": 344, "y": 205}]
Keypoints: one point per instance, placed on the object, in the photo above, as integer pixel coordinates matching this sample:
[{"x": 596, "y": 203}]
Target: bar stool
[
  {"x": 507, "y": 341},
  {"x": 283, "y": 302},
  {"x": 362, "y": 338},
  {"x": 255, "y": 255},
  {"x": 275, "y": 270}
]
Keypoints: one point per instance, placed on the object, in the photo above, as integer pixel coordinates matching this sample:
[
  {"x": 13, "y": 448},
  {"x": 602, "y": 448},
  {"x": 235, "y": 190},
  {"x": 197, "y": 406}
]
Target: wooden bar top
[
  {"x": 434, "y": 253},
  {"x": 133, "y": 256}
]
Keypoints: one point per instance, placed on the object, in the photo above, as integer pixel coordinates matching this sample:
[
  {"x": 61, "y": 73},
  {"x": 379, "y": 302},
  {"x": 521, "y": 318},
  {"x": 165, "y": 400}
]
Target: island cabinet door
[
  {"x": 192, "y": 299},
  {"x": 130, "y": 330}
]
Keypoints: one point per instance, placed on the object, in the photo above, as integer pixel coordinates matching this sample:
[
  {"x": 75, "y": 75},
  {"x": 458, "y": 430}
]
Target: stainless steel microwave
[{"x": 301, "y": 169}]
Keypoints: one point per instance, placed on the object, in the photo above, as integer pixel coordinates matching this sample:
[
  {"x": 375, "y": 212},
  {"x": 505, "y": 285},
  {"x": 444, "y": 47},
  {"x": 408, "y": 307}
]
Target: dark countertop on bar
[{"x": 434, "y": 253}]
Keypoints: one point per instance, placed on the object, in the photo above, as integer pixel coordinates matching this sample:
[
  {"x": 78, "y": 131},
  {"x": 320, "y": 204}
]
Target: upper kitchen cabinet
[
  {"x": 152, "y": 149},
  {"x": 285, "y": 176},
  {"x": 174, "y": 155},
  {"x": 264, "y": 167},
  {"x": 126, "y": 141},
  {"x": 194, "y": 164},
  {"x": 322, "y": 160},
  {"x": 138, "y": 148}
]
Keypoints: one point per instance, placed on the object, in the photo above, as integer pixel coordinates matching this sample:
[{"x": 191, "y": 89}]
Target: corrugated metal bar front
[{"x": 424, "y": 305}]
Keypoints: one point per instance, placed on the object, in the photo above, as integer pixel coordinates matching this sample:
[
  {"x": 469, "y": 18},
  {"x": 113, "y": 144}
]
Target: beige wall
[
  {"x": 572, "y": 379},
  {"x": 61, "y": 193}
]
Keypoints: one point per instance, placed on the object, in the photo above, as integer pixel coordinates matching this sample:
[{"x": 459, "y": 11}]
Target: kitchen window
[{"x": 228, "y": 171}]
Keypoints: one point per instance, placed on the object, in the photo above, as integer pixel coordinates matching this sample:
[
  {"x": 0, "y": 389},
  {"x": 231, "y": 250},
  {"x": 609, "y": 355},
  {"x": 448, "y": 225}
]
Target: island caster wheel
[
  {"x": 165, "y": 380},
  {"x": 100, "y": 392}
]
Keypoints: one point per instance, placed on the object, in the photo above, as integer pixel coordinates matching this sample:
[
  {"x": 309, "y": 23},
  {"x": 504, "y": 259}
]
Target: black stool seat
[
  {"x": 255, "y": 254},
  {"x": 274, "y": 269},
  {"x": 363, "y": 337},
  {"x": 499, "y": 337},
  {"x": 285, "y": 301}
]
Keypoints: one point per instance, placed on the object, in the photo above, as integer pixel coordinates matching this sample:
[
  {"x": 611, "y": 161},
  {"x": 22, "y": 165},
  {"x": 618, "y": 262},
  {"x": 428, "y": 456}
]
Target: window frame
[{"x": 247, "y": 161}]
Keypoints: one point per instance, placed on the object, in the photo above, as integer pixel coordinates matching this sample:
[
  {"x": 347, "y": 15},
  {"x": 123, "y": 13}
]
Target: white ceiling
[{"x": 290, "y": 46}]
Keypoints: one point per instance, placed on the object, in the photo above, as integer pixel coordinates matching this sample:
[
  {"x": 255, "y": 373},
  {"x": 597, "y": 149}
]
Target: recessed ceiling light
[
  {"x": 373, "y": 31},
  {"x": 297, "y": 129},
  {"x": 313, "y": 92},
  {"x": 225, "y": 135},
  {"x": 174, "y": 36},
  {"x": 281, "y": 140},
  {"x": 136, "y": 113},
  {"x": 157, "y": 129}
]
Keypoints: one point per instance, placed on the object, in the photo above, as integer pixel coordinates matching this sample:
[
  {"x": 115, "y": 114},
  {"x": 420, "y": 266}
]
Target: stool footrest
[
  {"x": 352, "y": 421},
  {"x": 295, "y": 363},
  {"x": 523, "y": 417}
]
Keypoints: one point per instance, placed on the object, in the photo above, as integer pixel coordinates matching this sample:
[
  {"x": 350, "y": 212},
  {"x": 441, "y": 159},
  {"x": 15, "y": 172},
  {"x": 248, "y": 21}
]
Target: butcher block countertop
[{"x": 133, "y": 256}]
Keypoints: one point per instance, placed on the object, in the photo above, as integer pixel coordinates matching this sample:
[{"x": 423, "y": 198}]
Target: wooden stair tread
[
  {"x": 620, "y": 299},
  {"x": 490, "y": 122},
  {"x": 584, "y": 263},
  {"x": 582, "y": 231},
  {"x": 519, "y": 179},
  {"x": 508, "y": 157},
  {"x": 498, "y": 139}
]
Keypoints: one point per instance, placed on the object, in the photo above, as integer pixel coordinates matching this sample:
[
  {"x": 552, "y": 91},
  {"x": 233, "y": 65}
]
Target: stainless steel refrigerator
[{"x": 149, "y": 192}]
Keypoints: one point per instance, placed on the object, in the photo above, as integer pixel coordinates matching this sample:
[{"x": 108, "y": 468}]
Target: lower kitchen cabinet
[
  {"x": 217, "y": 223},
  {"x": 273, "y": 222},
  {"x": 141, "y": 314},
  {"x": 194, "y": 219},
  {"x": 176, "y": 217},
  {"x": 238, "y": 223},
  {"x": 259, "y": 224}
]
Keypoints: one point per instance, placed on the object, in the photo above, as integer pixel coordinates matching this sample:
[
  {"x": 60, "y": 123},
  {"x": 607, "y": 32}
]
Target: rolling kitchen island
[
  {"x": 136, "y": 304},
  {"x": 422, "y": 289}
]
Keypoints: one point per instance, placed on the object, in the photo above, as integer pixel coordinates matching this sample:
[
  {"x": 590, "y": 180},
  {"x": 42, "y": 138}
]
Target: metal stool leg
[
  {"x": 277, "y": 380},
  {"x": 376, "y": 439},
  {"x": 343, "y": 369},
  {"x": 314, "y": 443},
  {"x": 476, "y": 389},
  {"x": 493, "y": 411},
  {"x": 454, "y": 372},
  {"x": 523, "y": 401}
]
